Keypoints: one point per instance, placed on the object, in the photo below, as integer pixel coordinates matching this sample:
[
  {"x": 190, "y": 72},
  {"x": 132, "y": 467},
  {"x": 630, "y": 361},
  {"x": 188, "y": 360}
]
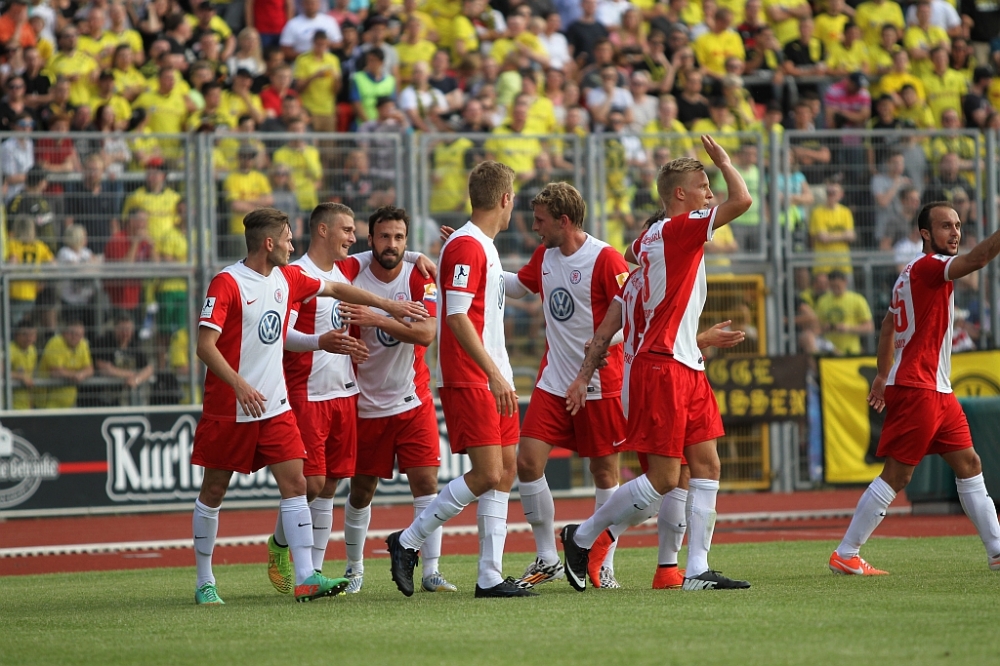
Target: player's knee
[
  {"x": 212, "y": 494},
  {"x": 605, "y": 471},
  {"x": 420, "y": 486},
  {"x": 313, "y": 487},
  {"x": 529, "y": 468},
  {"x": 969, "y": 466}
]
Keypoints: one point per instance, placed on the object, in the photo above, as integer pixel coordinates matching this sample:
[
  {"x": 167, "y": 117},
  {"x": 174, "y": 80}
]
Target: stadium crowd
[{"x": 522, "y": 82}]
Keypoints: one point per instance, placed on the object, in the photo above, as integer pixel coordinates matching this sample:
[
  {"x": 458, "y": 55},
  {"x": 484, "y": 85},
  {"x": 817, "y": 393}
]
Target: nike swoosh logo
[
  {"x": 618, "y": 443},
  {"x": 639, "y": 508},
  {"x": 252, "y": 302},
  {"x": 528, "y": 513},
  {"x": 318, "y": 528},
  {"x": 350, "y": 544},
  {"x": 198, "y": 537},
  {"x": 858, "y": 572},
  {"x": 304, "y": 524},
  {"x": 438, "y": 517},
  {"x": 546, "y": 273},
  {"x": 580, "y": 582}
]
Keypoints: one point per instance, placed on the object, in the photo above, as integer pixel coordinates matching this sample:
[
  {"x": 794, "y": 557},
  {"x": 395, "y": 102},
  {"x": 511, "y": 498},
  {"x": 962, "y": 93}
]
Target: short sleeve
[
  {"x": 611, "y": 272},
  {"x": 931, "y": 269},
  {"x": 222, "y": 293},
  {"x": 531, "y": 274},
  {"x": 301, "y": 285},
  {"x": 424, "y": 289},
  {"x": 691, "y": 230},
  {"x": 352, "y": 266},
  {"x": 463, "y": 266}
]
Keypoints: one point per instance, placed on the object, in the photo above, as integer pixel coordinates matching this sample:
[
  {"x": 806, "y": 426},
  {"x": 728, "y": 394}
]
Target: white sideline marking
[{"x": 380, "y": 535}]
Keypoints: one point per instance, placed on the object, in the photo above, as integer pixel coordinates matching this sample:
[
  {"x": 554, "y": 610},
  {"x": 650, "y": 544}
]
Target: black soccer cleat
[
  {"x": 714, "y": 580},
  {"x": 508, "y": 588},
  {"x": 402, "y": 562},
  {"x": 576, "y": 558}
]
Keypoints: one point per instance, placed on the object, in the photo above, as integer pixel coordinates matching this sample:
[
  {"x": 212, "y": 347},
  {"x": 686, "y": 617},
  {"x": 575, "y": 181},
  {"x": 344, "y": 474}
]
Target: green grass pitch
[{"x": 939, "y": 606}]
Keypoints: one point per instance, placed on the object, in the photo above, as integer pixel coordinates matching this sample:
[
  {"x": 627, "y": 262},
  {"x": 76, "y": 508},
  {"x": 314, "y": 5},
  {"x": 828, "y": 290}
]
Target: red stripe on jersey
[
  {"x": 603, "y": 288},
  {"x": 457, "y": 367},
  {"x": 227, "y": 316}
]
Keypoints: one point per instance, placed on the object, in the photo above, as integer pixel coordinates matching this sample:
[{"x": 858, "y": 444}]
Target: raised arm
[
  {"x": 976, "y": 259},
  {"x": 739, "y": 200}
]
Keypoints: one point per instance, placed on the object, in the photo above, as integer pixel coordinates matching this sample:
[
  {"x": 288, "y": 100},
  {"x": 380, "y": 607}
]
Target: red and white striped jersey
[
  {"x": 923, "y": 310},
  {"x": 250, "y": 311},
  {"x": 318, "y": 375},
  {"x": 576, "y": 291},
  {"x": 633, "y": 326},
  {"x": 395, "y": 378},
  {"x": 470, "y": 268},
  {"x": 671, "y": 254}
]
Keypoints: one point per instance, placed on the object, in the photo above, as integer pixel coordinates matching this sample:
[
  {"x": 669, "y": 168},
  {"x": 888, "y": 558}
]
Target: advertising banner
[
  {"x": 851, "y": 428},
  {"x": 759, "y": 390}
]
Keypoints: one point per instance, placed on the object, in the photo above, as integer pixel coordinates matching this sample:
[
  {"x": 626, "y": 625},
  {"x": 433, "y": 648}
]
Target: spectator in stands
[
  {"x": 155, "y": 199},
  {"x": 17, "y": 156},
  {"x": 692, "y": 105},
  {"x": 944, "y": 16},
  {"x": 303, "y": 162},
  {"x": 117, "y": 355},
  {"x": 519, "y": 239},
  {"x": 586, "y": 33},
  {"x": 900, "y": 222},
  {"x": 376, "y": 37},
  {"x": 850, "y": 54},
  {"x": 317, "y": 80},
  {"x": 239, "y": 101},
  {"x": 94, "y": 203},
  {"x": 666, "y": 122},
  {"x": 887, "y": 190},
  {"x": 644, "y": 110},
  {"x": 414, "y": 48},
  {"x": 844, "y": 316},
  {"x": 737, "y": 100},
  {"x": 630, "y": 39},
  {"x": 390, "y": 126},
  {"x": 132, "y": 244},
  {"x": 362, "y": 191},
  {"x": 78, "y": 67},
  {"x": 171, "y": 293},
  {"x": 244, "y": 189},
  {"x": 268, "y": 17},
  {"x": 36, "y": 84},
  {"x": 279, "y": 86},
  {"x": 873, "y": 15},
  {"x": 286, "y": 200},
  {"x": 922, "y": 37},
  {"x": 880, "y": 55},
  {"x": 945, "y": 87},
  {"x": 42, "y": 208},
  {"x": 517, "y": 153},
  {"x": 77, "y": 296},
  {"x": 975, "y": 105},
  {"x": 66, "y": 357},
  {"x": 786, "y": 18},
  {"x": 25, "y": 249},
  {"x": 948, "y": 182},
  {"x": 812, "y": 154},
  {"x": 248, "y": 54},
  {"x": 556, "y": 43},
  {"x": 964, "y": 147},
  {"x": 451, "y": 159},
  {"x": 129, "y": 82},
  {"x": 592, "y": 74},
  {"x": 57, "y": 154},
  {"x": 206, "y": 21},
  {"x": 423, "y": 104},
  {"x": 714, "y": 47},
  {"x": 720, "y": 125},
  {"x": 13, "y": 103},
  {"x": 832, "y": 22},
  {"x": 746, "y": 229},
  {"x": 441, "y": 78},
  {"x": 167, "y": 109},
  {"x": 805, "y": 55},
  {"x": 291, "y": 110},
  {"x": 14, "y": 29},
  {"x": 23, "y": 360},
  {"x": 297, "y": 35},
  {"x": 369, "y": 84},
  {"x": 831, "y": 229}
]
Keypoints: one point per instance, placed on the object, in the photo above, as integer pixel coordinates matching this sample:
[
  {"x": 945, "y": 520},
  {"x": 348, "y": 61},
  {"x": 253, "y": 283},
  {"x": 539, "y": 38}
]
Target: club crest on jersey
[
  {"x": 575, "y": 277},
  {"x": 335, "y": 319},
  {"x": 561, "y": 304},
  {"x": 269, "y": 328},
  {"x": 401, "y": 296},
  {"x": 208, "y": 308},
  {"x": 461, "y": 277},
  {"x": 279, "y": 296}
]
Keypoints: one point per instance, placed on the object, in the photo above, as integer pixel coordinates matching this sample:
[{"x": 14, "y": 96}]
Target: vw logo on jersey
[
  {"x": 335, "y": 319},
  {"x": 501, "y": 293},
  {"x": 561, "y": 304},
  {"x": 385, "y": 339},
  {"x": 269, "y": 328}
]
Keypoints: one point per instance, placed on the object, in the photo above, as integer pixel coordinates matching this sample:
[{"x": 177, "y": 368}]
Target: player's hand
[
  {"x": 719, "y": 336},
  {"x": 401, "y": 310},
  {"x": 504, "y": 394},
  {"x": 360, "y": 355},
  {"x": 876, "y": 397},
  {"x": 603, "y": 361},
  {"x": 718, "y": 154},
  {"x": 576, "y": 396},
  {"x": 427, "y": 267},
  {"x": 250, "y": 399},
  {"x": 337, "y": 342},
  {"x": 446, "y": 232},
  {"x": 359, "y": 315}
]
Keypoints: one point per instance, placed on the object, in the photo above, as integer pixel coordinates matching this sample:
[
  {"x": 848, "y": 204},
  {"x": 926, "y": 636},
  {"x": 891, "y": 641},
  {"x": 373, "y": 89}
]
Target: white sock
[
  {"x": 204, "y": 527},
  {"x": 448, "y": 504},
  {"x": 671, "y": 525},
  {"x": 870, "y": 512},
  {"x": 491, "y": 517},
  {"x": 601, "y": 496},
  {"x": 298, "y": 528},
  {"x": 634, "y": 497},
  {"x": 356, "y": 523},
  {"x": 430, "y": 552},
  {"x": 638, "y": 518},
  {"x": 981, "y": 511},
  {"x": 702, "y": 494},
  {"x": 321, "y": 511},
  {"x": 540, "y": 512}
]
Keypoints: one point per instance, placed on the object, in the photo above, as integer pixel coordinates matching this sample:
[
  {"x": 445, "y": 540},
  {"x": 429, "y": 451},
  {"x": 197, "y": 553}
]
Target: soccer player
[
  {"x": 396, "y": 415},
  {"x": 672, "y": 410},
  {"x": 246, "y": 421},
  {"x": 476, "y": 386},
  {"x": 913, "y": 386},
  {"x": 577, "y": 276},
  {"x": 322, "y": 387}
]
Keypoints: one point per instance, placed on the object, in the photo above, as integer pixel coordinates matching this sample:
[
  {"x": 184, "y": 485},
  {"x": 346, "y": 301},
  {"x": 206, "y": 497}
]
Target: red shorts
[
  {"x": 472, "y": 419},
  {"x": 597, "y": 430},
  {"x": 246, "y": 447},
  {"x": 919, "y": 422},
  {"x": 671, "y": 406},
  {"x": 330, "y": 432},
  {"x": 411, "y": 438}
]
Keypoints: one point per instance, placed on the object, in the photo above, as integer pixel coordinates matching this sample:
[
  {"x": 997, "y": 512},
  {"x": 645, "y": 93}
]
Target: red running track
[{"x": 168, "y": 526}]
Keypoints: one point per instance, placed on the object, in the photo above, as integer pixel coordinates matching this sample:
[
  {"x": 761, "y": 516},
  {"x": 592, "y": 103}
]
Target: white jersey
[
  {"x": 318, "y": 375},
  {"x": 576, "y": 291},
  {"x": 395, "y": 378}
]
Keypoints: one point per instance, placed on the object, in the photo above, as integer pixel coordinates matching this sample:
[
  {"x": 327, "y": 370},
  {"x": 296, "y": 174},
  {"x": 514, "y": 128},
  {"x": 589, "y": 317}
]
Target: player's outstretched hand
[
  {"x": 427, "y": 267},
  {"x": 446, "y": 232},
  {"x": 719, "y": 336},
  {"x": 401, "y": 310},
  {"x": 876, "y": 397},
  {"x": 337, "y": 342},
  {"x": 505, "y": 396},
  {"x": 576, "y": 396},
  {"x": 358, "y": 315},
  {"x": 250, "y": 399},
  {"x": 718, "y": 154}
]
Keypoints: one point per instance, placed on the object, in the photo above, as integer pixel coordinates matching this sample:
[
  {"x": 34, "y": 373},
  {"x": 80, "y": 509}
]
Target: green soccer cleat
[
  {"x": 318, "y": 585},
  {"x": 279, "y": 567},
  {"x": 207, "y": 595}
]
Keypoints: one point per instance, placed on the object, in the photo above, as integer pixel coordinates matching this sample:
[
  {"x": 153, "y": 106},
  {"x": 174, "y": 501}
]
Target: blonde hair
[
  {"x": 75, "y": 236},
  {"x": 255, "y": 53},
  {"x": 673, "y": 173},
  {"x": 488, "y": 182},
  {"x": 562, "y": 199}
]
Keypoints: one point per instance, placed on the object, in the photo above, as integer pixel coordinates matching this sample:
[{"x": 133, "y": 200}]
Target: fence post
[
  {"x": 776, "y": 145},
  {"x": 991, "y": 197},
  {"x": 592, "y": 155}
]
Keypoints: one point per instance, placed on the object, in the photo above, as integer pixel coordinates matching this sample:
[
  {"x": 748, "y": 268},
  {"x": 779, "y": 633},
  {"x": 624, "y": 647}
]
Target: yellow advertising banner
[{"x": 851, "y": 428}]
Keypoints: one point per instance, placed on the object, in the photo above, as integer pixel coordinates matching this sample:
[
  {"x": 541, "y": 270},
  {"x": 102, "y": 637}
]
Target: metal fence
[{"x": 161, "y": 214}]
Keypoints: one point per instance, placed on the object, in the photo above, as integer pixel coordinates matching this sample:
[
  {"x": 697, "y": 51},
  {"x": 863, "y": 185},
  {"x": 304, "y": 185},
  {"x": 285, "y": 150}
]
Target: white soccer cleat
[{"x": 356, "y": 578}]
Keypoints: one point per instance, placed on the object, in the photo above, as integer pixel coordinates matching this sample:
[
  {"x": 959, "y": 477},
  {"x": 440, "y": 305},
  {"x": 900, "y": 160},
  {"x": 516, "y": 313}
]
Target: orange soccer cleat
[
  {"x": 597, "y": 554},
  {"x": 853, "y": 566},
  {"x": 668, "y": 578}
]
